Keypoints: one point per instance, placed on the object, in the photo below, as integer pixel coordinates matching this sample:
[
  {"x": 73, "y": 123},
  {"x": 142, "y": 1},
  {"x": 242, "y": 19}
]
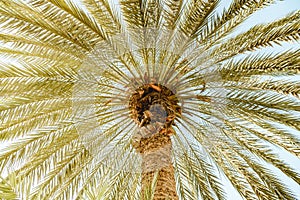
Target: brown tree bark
[
  {"x": 155, "y": 150},
  {"x": 154, "y": 108}
]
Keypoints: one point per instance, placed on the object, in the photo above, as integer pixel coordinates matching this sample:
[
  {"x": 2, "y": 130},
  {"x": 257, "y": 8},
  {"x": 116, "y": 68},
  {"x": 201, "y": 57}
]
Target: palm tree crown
[{"x": 98, "y": 96}]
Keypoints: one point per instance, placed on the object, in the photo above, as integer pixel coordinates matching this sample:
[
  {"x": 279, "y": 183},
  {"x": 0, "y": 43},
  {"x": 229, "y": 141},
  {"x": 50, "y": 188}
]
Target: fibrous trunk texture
[
  {"x": 154, "y": 108},
  {"x": 157, "y": 161},
  {"x": 165, "y": 183}
]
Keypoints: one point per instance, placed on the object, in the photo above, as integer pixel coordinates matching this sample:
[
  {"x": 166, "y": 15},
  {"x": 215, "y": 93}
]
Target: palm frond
[
  {"x": 195, "y": 15},
  {"x": 68, "y": 72},
  {"x": 283, "y": 63},
  {"x": 282, "y": 30},
  {"x": 170, "y": 13},
  {"x": 6, "y": 190},
  {"x": 225, "y": 23}
]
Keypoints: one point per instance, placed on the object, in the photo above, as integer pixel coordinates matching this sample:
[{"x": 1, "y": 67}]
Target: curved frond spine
[
  {"x": 6, "y": 190},
  {"x": 196, "y": 15},
  {"x": 282, "y": 30},
  {"x": 221, "y": 26},
  {"x": 284, "y": 63},
  {"x": 170, "y": 12}
]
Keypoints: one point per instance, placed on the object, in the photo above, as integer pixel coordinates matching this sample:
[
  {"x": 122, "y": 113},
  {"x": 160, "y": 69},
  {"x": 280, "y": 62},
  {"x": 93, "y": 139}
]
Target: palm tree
[{"x": 142, "y": 99}]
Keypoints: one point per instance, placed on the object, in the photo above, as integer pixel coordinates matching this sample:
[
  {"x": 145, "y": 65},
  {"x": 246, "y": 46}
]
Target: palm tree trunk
[
  {"x": 156, "y": 159},
  {"x": 154, "y": 108}
]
